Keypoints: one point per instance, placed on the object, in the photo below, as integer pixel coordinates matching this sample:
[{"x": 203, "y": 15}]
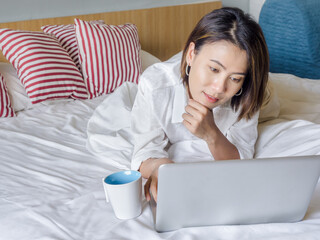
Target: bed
[{"x": 50, "y": 178}]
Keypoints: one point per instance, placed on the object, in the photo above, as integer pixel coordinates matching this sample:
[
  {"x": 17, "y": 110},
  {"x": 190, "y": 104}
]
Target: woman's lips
[{"x": 210, "y": 98}]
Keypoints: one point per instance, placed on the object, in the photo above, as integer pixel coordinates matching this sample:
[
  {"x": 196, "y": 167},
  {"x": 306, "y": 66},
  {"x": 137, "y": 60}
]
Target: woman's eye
[
  {"x": 214, "y": 69},
  {"x": 235, "y": 79}
]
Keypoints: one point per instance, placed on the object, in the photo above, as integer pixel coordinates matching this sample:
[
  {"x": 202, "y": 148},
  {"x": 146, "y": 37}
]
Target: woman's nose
[{"x": 219, "y": 85}]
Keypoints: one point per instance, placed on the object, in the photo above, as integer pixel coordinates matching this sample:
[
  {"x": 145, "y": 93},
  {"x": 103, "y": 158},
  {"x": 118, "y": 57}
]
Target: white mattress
[{"x": 50, "y": 184}]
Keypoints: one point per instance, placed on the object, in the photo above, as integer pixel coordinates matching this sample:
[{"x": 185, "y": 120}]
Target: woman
[{"x": 204, "y": 104}]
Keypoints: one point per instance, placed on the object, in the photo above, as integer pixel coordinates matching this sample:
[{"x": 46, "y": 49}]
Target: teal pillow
[{"x": 292, "y": 33}]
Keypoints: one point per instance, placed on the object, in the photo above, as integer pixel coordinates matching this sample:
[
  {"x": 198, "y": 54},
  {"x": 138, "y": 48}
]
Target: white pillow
[
  {"x": 147, "y": 59},
  {"x": 18, "y": 96}
]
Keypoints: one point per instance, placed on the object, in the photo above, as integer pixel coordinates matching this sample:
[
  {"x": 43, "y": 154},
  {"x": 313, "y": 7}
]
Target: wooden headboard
[{"x": 162, "y": 31}]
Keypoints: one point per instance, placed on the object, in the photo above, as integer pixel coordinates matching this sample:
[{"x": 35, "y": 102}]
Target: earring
[
  {"x": 239, "y": 93},
  {"x": 187, "y": 70}
]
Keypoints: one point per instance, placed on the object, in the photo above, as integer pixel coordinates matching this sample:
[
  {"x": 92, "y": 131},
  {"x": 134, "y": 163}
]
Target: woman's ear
[{"x": 190, "y": 54}]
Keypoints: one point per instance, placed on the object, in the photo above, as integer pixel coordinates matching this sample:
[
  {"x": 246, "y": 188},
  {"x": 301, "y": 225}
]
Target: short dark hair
[{"x": 233, "y": 25}]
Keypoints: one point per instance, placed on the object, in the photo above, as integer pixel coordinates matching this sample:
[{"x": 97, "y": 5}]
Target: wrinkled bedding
[{"x": 53, "y": 158}]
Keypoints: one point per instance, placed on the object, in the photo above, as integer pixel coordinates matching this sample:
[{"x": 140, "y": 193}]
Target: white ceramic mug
[{"x": 124, "y": 191}]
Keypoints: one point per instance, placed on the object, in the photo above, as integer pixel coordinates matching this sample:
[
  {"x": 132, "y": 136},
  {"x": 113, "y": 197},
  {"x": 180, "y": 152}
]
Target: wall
[
  {"x": 242, "y": 4},
  {"x": 252, "y": 7},
  {"x": 255, "y": 8},
  {"x": 16, "y": 10}
]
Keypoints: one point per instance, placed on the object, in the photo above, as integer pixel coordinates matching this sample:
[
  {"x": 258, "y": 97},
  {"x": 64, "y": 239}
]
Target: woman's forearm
[{"x": 220, "y": 147}]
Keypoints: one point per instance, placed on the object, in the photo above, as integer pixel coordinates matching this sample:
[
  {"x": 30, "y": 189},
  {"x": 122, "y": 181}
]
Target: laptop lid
[{"x": 234, "y": 192}]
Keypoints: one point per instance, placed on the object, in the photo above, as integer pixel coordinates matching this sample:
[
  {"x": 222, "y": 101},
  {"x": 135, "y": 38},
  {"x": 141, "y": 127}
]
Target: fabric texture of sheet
[
  {"x": 50, "y": 183},
  {"x": 296, "y": 130}
]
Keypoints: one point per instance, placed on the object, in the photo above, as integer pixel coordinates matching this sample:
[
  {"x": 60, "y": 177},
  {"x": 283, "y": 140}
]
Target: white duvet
[{"x": 50, "y": 176}]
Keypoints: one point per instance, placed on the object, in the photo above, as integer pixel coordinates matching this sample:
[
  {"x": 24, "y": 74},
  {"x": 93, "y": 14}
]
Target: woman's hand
[
  {"x": 149, "y": 170},
  {"x": 151, "y": 186},
  {"x": 199, "y": 120}
]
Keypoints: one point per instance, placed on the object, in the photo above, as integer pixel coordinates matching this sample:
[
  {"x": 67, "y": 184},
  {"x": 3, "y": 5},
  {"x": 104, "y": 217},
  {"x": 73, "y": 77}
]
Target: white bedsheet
[
  {"x": 50, "y": 184},
  {"x": 296, "y": 131}
]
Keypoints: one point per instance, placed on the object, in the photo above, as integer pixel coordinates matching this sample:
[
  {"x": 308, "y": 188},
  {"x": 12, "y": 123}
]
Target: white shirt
[{"x": 156, "y": 120}]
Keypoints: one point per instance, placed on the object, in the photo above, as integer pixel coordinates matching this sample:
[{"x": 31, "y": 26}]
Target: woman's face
[{"x": 217, "y": 72}]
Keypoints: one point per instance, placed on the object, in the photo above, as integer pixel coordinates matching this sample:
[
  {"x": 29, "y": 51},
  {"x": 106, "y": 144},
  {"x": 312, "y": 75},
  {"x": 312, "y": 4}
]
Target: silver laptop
[{"x": 234, "y": 192}]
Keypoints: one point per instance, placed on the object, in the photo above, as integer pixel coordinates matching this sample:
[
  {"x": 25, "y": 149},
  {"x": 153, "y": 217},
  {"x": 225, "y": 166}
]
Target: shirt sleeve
[
  {"x": 150, "y": 139},
  {"x": 243, "y": 134}
]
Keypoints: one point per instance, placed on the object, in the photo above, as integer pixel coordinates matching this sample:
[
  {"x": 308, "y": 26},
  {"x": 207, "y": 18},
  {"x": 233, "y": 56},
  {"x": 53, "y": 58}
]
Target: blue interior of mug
[{"x": 122, "y": 177}]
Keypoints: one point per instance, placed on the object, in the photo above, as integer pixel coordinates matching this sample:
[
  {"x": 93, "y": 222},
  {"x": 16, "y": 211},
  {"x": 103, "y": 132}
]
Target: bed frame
[{"x": 162, "y": 31}]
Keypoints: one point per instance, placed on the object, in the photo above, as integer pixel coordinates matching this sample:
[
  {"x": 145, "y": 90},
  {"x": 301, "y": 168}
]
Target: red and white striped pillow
[
  {"x": 5, "y": 105},
  {"x": 109, "y": 55},
  {"x": 66, "y": 35},
  {"x": 45, "y": 69}
]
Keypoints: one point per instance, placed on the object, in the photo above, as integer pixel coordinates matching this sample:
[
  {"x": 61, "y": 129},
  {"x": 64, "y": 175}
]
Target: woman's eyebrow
[
  {"x": 212, "y": 60},
  {"x": 219, "y": 63}
]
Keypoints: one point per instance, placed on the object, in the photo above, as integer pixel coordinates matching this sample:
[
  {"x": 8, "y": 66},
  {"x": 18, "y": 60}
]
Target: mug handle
[{"x": 105, "y": 190}]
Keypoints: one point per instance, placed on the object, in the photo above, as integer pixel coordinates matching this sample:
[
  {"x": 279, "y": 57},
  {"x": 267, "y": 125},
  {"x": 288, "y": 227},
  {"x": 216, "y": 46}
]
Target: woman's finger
[
  {"x": 195, "y": 113},
  {"x": 190, "y": 110},
  {"x": 196, "y": 105},
  {"x": 153, "y": 189},
  {"x": 147, "y": 190},
  {"x": 188, "y": 118}
]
